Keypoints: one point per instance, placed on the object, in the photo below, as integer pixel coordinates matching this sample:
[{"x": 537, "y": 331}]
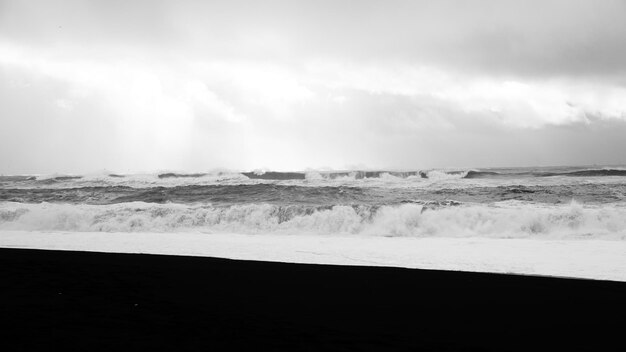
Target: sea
[{"x": 574, "y": 203}]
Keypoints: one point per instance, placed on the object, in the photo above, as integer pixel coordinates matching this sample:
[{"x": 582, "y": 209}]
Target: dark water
[
  {"x": 322, "y": 195},
  {"x": 542, "y": 185}
]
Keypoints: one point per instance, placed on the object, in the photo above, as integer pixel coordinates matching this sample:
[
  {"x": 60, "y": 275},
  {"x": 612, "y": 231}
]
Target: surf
[{"x": 509, "y": 219}]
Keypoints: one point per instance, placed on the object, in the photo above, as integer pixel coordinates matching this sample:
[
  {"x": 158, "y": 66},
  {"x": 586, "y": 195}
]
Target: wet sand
[{"x": 108, "y": 301}]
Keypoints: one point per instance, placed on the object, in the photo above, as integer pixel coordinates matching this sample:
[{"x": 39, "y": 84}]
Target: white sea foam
[
  {"x": 438, "y": 175},
  {"x": 313, "y": 176},
  {"x": 592, "y": 259},
  {"x": 500, "y": 220}
]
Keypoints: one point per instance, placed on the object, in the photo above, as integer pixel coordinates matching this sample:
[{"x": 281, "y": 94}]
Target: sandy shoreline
[
  {"x": 592, "y": 259},
  {"x": 106, "y": 301}
]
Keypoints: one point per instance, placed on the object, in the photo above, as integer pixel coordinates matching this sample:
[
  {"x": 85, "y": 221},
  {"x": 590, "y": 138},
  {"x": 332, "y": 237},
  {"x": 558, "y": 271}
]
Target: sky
[{"x": 143, "y": 86}]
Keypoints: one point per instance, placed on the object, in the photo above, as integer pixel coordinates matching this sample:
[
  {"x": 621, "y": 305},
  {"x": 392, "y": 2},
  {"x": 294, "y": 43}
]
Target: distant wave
[
  {"x": 175, "y": 175},
  {"x": 421, "y": 178},
  {"x": 274, "y": 175},
  {"x": 482, "y": 174},
  {"x": 577, "y": 173},
  {"x": 17, "y": 178},
  {"x": 587, "y": 173},
  {"x": 331, "y": 175},
  {"x": 443, "y": 175},
  {"x": 508, "y": 220},
  {"x": 57, "y": 179}
]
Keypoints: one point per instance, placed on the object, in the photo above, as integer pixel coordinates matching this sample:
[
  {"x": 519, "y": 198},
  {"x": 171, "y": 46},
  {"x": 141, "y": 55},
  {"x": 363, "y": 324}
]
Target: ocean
[{"x": 564, "y": 203}]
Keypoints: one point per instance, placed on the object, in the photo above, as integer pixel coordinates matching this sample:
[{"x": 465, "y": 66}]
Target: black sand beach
[{"x": 95, "y": 301}]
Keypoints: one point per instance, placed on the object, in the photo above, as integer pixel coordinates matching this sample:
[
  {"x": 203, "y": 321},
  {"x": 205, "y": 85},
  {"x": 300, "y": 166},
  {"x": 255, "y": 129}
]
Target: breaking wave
[
  {"x": 482, "y": 174},
  {"x": 510, "y": 219},
  {"x": 434, "y": 174},
  {"x": 330, "y": 175},
  {"x": 444, "y": 175}
]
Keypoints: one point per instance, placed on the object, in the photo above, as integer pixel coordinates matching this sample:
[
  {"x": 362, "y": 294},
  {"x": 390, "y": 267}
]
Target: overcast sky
[{"x": 140, "y": 86}]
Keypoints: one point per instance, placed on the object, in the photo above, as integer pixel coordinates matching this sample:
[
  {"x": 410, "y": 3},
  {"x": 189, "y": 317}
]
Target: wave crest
[
  {"x": 438, "y": 175},
  {"x": 505, "y": 220}
]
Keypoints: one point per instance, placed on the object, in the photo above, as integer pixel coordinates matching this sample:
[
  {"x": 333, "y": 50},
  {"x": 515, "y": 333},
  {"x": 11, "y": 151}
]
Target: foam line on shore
[{"x": 590, "y": 259}]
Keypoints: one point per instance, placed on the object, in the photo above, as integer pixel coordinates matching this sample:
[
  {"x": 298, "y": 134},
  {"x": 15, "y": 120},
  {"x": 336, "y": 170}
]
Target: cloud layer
[{"x": 194, "y": 85}]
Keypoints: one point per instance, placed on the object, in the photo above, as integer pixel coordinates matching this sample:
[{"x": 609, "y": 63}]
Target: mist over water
[{"x": 564, "y": 203}]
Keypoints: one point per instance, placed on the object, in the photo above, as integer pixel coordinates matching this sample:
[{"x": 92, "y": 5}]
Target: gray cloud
[
  {"x": 561, "y": 37},
  {"x": 294, "y": 84}
]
